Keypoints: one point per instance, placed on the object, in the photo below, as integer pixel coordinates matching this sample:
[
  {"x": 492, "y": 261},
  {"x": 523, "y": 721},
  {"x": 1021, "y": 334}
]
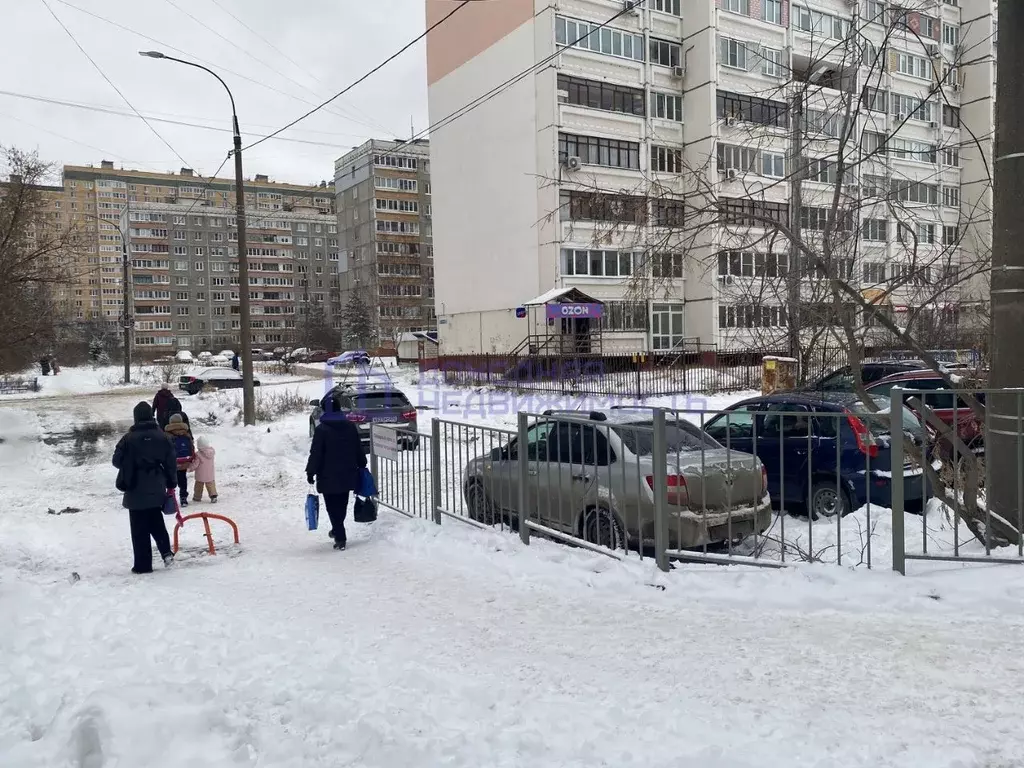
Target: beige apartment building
[{"x": 182, "y": 242}]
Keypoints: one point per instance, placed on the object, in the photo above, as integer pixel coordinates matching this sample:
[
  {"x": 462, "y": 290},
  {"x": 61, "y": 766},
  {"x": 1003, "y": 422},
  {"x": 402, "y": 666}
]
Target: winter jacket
[
  {"x": 162, "y": 406},
  {"x": 335, "y": 457},
  {"x": 146, "y": 466},
  {"x": 203, "y": 465},
  {"x": 182, "y": 430}
]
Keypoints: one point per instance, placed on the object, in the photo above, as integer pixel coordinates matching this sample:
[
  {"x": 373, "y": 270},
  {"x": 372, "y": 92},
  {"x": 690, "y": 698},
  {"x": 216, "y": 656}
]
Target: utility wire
[
  {"x": 373, "y": 71},
  {"x": 111, "y": 83}
]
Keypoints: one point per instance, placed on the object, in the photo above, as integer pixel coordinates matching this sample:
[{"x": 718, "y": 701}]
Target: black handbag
[{"x": 365, "y": 510}]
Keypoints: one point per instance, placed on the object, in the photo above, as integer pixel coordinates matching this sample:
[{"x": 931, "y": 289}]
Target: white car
[
  {"x": 205, "y": 356},
  {"x": 218, "y": 360},
  {"x": 183, "y": 356},
  {"x": 226, "y": 353}
]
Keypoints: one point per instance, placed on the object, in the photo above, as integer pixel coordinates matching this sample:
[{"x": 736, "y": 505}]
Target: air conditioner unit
[
  {"x": 730, "y": 120},
  {"x": 732, "y": 174},
  {"x": 933, "y": 124},
  {"x": 957, "y": 87},
  {"x": 678, "y": 71},
  {"x": 901, "y": 118},
  {"x": 853, "y": 189},
  {"x": 725, "y": 279},
  {"x": 573, "y": 163}
]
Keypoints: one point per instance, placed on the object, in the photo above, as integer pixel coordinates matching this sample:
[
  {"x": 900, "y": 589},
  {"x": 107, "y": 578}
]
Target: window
[
  {"x": 751, "y": 109},
  {"x": 914, "y": 66},
  {"x": 950, "y": 116},
  {"x": 734, "y": 157},
  {"x": 737, "y": 6},
  {"x": 668, "y": 266},
  {"x": 749, "y": 316},
  {"x": 387, "y": 204},
  {"x": 750, "y": 264},
  {"x": 771, "y": 62},
  {"x": 666, "y": 160},
  {"x": 596, "y": 263},
  {"x": 198, "y": 252},
  {"x": 773, "y": 165},
  {"x": 950, "y": 235},
  {"x": 816, "y": 219},
  {"x": 910, "y": 150},
  {"x": 600, "y": 95},
  {"x": 607, "y": 40},
  {"x": 745, "y": 212},
  {"x": 625, "y": 316},
  {"x": 181, "y": 250},
  {"x": 771, "y": 11},
  {"x": 394, "y": 227},
  {"x": 666, "y": 6},
  {"x": 904, "y": 107},
  {"x": 818, "y": 121},
  {"x": 915, "y": 192},
  {"x": 732, "y": 53},
  {"x": 592, "y": 150},
  {"x": 819, "y": 24},
  {"x": 664, "y": 53},
  {"x": 951, "y": 156},
  {"x": 875, "y": 99},
  {"x": 925, "y": 233},
  {"x": 668, "y": 106},
  {"x": 874, "y": 272},
  {"x": 821, "y": 170},
  {"x": 593, "y": 206},
  {"x": 951, "y": 197},
  {"x": 388, "y": 161},
  {"x": 951, "y": 34},
  {"x": 666, "y": 326},
  {"x": 668, "y": 213},
  {"x": 875, "y": 230},
  {"x": 181, "y": 266}
]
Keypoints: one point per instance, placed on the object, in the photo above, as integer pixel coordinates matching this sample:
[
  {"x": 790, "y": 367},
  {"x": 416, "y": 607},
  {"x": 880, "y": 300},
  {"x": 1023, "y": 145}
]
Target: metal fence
[{"x": 973, "y": 521}]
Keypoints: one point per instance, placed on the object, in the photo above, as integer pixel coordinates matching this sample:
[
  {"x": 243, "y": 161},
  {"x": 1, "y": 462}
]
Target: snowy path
[{"x": 428, "y": 646}]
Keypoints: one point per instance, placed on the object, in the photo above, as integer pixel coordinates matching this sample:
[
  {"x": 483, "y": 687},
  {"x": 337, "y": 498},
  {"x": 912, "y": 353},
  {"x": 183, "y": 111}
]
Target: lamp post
[{"x": 245, "y": 331}]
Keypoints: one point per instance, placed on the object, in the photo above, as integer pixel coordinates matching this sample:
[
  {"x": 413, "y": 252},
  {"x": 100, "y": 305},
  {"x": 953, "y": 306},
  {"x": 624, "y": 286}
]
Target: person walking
[
  {"x": 203, "y": 466},
  {"x": 184, "y": 451},
  {"x": 146, "y": 469},
  {"x": 236, "y": 362},
  {"x": 336, "y": 457},
  {"x": 162, "y": 404}
]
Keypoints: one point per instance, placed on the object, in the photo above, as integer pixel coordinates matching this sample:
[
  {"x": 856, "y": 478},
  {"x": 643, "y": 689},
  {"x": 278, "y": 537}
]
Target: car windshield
[
  {"x": 372, "y": 400},
  {"x": 680, "y": 437}
]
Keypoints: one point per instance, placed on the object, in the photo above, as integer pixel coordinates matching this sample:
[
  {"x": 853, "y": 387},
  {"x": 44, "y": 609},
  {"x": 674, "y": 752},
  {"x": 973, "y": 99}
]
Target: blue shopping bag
[
  {"x": 367, "y": 486},
  {"x": 312, "y": 511}
]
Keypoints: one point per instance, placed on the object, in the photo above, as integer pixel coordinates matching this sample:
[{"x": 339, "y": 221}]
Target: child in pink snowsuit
[{"x": 203, "y": 466}]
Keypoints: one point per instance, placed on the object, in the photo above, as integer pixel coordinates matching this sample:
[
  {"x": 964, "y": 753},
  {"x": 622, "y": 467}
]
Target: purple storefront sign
[{"x": 593, "y": 311}]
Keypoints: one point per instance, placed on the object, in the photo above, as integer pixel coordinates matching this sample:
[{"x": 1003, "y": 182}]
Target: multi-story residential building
[
  {"x": 646, "y": 158},
  {"x": 384, "y": 215},
  {"x": 184, "y": 260}
]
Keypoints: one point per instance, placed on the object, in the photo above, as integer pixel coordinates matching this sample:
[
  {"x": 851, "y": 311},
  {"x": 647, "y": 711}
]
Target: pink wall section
[{"x": 471, "y": 31}]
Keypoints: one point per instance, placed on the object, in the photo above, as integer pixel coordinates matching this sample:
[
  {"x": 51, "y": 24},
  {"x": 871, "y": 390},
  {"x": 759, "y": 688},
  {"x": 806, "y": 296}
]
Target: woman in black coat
[
  {"x": 336, "y": 458},
  {"x": 147, "y": 469}
]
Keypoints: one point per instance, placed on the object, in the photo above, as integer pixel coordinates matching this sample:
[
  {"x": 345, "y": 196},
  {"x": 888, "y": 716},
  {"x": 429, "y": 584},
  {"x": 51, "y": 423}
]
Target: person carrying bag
[
  {"x": 365, "y": 509},
  {"x": 336, "y": 458}
]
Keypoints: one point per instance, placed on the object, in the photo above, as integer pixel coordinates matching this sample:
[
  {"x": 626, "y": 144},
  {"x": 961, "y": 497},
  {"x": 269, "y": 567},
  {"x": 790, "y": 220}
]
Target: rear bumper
[
  {"x": 879, "y": 492},
  {"x": 695, "y": 529}
]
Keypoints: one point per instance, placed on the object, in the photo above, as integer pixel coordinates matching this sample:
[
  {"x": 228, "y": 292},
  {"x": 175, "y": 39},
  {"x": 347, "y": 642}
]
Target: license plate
[{"x": 386, "y": 419}]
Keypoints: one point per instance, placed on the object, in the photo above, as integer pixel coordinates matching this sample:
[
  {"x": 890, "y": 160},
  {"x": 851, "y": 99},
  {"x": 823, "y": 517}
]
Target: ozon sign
[{"x": 575, "y": 310}]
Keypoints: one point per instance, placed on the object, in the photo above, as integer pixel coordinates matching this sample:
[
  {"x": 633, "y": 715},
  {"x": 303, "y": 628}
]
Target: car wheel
[
  {"x": 825, "y": 502},
  {"x": 601, "y": 527},
  {"x": 479, "y": 504}
]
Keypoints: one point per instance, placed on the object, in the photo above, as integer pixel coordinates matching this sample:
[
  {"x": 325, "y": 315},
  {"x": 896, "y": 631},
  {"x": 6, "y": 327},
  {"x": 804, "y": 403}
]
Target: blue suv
[{"x": 806, "y": 441}]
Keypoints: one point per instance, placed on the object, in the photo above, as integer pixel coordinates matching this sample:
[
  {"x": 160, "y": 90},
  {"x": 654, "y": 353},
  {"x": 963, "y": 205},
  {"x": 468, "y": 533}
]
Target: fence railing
[{"x": 975, "y": 451}]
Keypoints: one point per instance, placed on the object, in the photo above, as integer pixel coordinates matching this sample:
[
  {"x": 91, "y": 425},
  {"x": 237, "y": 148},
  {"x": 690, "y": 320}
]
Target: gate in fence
[{"x": 768, "y": 482}]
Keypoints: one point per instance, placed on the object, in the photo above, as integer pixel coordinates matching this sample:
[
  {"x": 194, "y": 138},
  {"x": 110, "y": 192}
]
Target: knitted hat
[
  {"x": 142, "y": 412},
  {"x": 175, "y": 418}
]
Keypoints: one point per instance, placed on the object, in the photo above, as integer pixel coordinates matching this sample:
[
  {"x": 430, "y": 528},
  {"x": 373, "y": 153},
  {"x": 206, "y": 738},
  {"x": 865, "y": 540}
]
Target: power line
[
  {"x": 377, "y": 68},
  {"x": 111, "y": 83}
]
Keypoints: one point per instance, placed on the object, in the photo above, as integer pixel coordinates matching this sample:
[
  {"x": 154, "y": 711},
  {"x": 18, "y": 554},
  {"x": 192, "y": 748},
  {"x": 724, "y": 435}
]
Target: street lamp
[{"x": 245, "y": 332}]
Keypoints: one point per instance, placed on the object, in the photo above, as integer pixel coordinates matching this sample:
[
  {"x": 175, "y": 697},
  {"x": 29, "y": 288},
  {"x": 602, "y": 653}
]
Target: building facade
[
  {"x": 182, "y": 242},
  {"x": 385, "y": 231},
  {"x": 650, "y": 161}
]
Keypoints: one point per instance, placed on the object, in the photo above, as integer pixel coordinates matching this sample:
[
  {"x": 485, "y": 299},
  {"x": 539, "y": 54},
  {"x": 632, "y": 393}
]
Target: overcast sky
[{"x": 323, "y": 45}]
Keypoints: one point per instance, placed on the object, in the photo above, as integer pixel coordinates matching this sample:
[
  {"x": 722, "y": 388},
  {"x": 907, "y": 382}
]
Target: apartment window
[
  {"x": 744, "y": 212},
  {"x": 951, "y": 197},
  {"x": 771, "y": 62},
  {"x": 667, "y": 326},
  {"x": 738, "y": 158},
  {"x": 875, "y": 230},
  {"x": 599, "y": 95},
  {"x": 950, "y": 235},
  {"x": 771, "y": 11},
  {"x": 664, "y": 53},
  {"x": 392, "y": 161},
  {"x": 819, "y": 121},
  {"x": 911, "y": 150},
  {"x": 816, "y": 219},
  {"x": 903, "y": 107},
  {"x": 668, "y": 106},
  {"x": 925, "y": 233},
  {"x": 874, "y": 99},
  {"x": 386, "y": 204},
  {"x": 393, "y": 227},
  {"x": 750, "y": 264},
  {"x": 914, "y": 66},
  {"x": 181, "y": 266},
  {"x": 751, "y": 316},
  {"x": 592, "y": 150},
  {"x": 732, "y": 53},
  {"x": 666, "y": 160},
  {"x": 180, "y": 235},
  {"x": 668, "y": 213},
  {"x": 915, "y": 192},
  {"x": 666, "y": 6},
  {"x": 751, "y": 109},
  {"x": 819, "y": 24},
  {"x": 951, "y": 156},
  {"x": 197, "y": 235},
  {"x": 592, "y": 206},
  {"x": 625, "y": 316},
  {"x": 198, "y": 252},
  {"x": 773, "y": 165},
  {"x": 668, "y": 266},
  {"x": 180, "y": 250},
  {"x": 874, "y": 272},
  {"x": 597, "y": 263},
  {"x": 929, "y": 27},
  {"x": 951, "y": 34},
  {"x": 606, "y": 40},
  {"x": 179, "y": 220},
  {"x": 822, "y": 170},
  {"x": 737, "y": 6}
]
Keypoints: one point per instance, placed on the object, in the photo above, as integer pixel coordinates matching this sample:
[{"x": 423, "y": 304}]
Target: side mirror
[{"x": 314, "y": 403}]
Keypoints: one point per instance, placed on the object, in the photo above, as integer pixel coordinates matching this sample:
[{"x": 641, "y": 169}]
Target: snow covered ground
[{"x": 448, "y": 646}]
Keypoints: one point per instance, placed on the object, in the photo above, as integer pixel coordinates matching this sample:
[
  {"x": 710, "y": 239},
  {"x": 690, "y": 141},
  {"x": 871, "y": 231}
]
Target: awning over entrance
[
  {"x": 562, "y": 296},
  {"x": 568, "y": 303}
]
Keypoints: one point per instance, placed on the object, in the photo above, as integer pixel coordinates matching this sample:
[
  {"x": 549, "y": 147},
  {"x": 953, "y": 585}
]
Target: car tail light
[
  {"x": 865, "y": 441},
  {"x": 190, "y": 379},
  {"x": 409, "y": 415},
  {"x": 357, "y": 418},
  {"x": 677, "y": 492}
]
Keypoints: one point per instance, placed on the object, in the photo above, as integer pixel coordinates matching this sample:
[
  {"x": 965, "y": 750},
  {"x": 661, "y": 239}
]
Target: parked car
[
  {"x": 316, "y": 356},
  {"x": 280, "y": 353},
  {"x": 226, "y": 353},
  {"x": 592, "y": 476},
  {"x": 364, "y": 406},
  {"x": 297, "y": 354},
  {"x": 796, "y": 435},
  {"x": 841, "y": 379},
  {"x": 183, "y": 356},
  {"x": 204, "y": 356},
  {"x": 218, "y": 361},
  {"x": 945, "y": 404},
  {"x": 217, "y": 378}
]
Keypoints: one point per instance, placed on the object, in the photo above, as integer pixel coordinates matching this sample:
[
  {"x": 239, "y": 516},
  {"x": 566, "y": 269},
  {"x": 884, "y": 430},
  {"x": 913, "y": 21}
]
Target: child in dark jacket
[{"x": 184, "y": 452}]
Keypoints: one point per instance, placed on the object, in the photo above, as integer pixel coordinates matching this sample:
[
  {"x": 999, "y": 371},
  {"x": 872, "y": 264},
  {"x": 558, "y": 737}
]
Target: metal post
[
  {"x": 899, "y": 543},
  {"x": 374, "y": 462},
  {"x": 524, "y": 478},
  {"x": 435, "y": 471},
  {"x": 245, "y": 330},
  {"x": 127, "y": 320},
  {"x": 659, "y": 450},
  {"x": 793, "y": 276}
]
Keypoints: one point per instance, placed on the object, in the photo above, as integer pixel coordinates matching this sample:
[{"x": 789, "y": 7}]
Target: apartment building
[
  {"x": 384, "y": 216},
  {"x": 184, "y": 259},
  {"x": 648, "y": 161}
]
